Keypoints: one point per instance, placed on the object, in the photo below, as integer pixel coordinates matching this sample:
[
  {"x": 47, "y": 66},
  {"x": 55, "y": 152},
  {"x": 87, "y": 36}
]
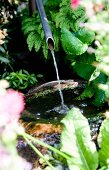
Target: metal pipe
[{"x": 47, "y": 31}]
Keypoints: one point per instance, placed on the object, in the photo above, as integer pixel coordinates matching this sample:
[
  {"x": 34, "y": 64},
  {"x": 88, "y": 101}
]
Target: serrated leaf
[
  {"x": 103, "y": 141},
  {"x": 30, "y": 40},
  {"x": 76, "y": 142},
  {"x": 30, "y": 29},
  {"x": 45, "y": 50},
  {"x": 37, "y": 43},
  {"x": 56, "y": 35},
  {"x": 71, "y": 44}
]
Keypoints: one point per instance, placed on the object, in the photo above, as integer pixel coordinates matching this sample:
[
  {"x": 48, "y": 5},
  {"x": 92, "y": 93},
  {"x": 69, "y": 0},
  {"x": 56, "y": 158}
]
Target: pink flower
[
  {"x": 75, "y": 3},
  {"x": 11, "y": 105}
]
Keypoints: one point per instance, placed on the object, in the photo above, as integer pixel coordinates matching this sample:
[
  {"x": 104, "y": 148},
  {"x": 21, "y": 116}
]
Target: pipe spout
[{"x": 44, "y": 20}]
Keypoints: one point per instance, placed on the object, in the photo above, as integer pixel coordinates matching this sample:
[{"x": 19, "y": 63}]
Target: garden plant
[{"x": 81, "y": 31}]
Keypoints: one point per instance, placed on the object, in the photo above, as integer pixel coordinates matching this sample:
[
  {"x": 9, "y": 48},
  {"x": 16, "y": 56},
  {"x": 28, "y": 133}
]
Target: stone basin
[{"x": 43, "y": 113}]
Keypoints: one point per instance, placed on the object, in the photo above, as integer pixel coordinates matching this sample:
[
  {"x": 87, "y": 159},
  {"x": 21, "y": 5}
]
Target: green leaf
[
  {"x": 87, "y": 93},
  {"x": 86, "y": 36},
  {"x": 30, "y": 29},
  {"x": 30, "y": 40},
  {"x": 76, "y": 142},
  {"x": 26, "y": 72},
  {"x": 99, "y": 97},
  {"x": 56, "y": 35},
  {"x": 4, "y": 60},
  {"x": 45, "y": 50},
  {"x": 71, "y": 44},
  {"x": 2, "y": 49},
  {"x": 103, "y": 141},
  {"x": 95, "y": 74},
  {"x": 84, "y": 70},
  {"x": 83, "y": 65},
  {"x": 37, "y": 42}
]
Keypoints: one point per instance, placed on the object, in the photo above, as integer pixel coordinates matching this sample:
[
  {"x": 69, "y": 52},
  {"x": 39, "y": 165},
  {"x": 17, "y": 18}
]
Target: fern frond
[
  {"x": 50, "y": 4},
  {"x": 37, "y": 42},
  {"x": 40, "y": 28},
  {"x": 27, "y": 26},
  {"x": 69, "y": 17},
  {"x": 42, "y": 34},
  {"x": 56, "y": 36},
  {"x": 45, "y": 50},
  {"x": 29, "y": 29},
  {"x": 26, "y": 19},
  {"x": 30, "y": 40}
]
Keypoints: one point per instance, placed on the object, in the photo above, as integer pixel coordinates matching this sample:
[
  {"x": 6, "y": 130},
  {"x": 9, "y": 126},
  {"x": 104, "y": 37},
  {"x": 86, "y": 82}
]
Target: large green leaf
[
  {"x": 83, "y": 65},
  {"x": 76, "y": 142},
  {"x": 86, "y": 36},
  {"x": 99, "y": 97},
  {"x": 84, "y": 70},
  {"x": 103, "y": 141},
  {"x": 87, "y": 93},
  {"x": 71, "y": 44}
]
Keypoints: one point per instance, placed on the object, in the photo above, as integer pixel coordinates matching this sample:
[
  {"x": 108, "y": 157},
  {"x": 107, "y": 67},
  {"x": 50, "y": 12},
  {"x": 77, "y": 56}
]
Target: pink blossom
[
  {"x": 75, "y": 3},
  {"x": 11, "y": 105}
]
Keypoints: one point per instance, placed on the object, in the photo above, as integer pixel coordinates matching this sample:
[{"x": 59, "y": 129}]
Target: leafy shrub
[
  {"x": 20, "y": 79},
  {"x": 63, "y": 16},
  {"x": 76, "y": 142}
]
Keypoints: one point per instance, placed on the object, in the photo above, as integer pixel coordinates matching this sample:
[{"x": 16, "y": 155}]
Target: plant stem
[
  {"x": 38, "y": 152},
  {"x": 25, "y": 135}
]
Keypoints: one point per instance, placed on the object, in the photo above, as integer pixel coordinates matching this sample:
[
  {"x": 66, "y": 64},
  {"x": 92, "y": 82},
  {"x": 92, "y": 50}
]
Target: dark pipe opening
[{"x": 50, "y": 43}]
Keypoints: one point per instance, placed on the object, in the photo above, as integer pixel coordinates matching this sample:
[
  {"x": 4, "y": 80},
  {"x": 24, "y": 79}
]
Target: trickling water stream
[{"x": 57, "y": 74}]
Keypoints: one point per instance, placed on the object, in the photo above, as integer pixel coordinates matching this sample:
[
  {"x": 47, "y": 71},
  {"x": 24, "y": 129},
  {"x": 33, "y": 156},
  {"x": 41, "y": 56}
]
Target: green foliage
[
  {"x": 20, "y": 79},
  {"x": 5, "y": 58},
  {"x": 99, "y": 95},
  {"x": 76, "y": 142},
  {"x": 99, "y": 78},
  {"x": 71, "y": 44},
  {"x": 85, "y": 36},
  {"x": 33, "y": 30},
  {"x": 77, "y": 148},
  {"x": 65, "y": 22},
  {"x": 70, "y": 18},
  {"x": 87, "y": 93},
  {"x": 94, "y": 90},
  {"x": 60, "y": 15},
  {"x": 103, "y": 141},
  {"x": 83, "y": 65}
]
